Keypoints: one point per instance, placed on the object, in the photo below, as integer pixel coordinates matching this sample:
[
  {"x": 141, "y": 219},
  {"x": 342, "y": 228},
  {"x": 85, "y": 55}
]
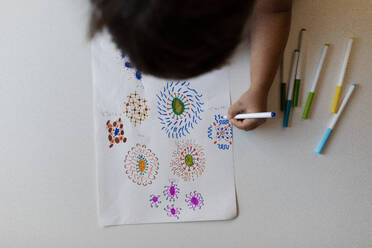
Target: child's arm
[{"x": 269, "y": 31}]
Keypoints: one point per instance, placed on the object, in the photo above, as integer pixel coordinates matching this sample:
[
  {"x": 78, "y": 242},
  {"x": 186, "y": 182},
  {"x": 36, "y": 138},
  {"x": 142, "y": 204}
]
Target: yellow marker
[
  {"x": 342, "y": 76},
  {"x": 336, "y": 99}
]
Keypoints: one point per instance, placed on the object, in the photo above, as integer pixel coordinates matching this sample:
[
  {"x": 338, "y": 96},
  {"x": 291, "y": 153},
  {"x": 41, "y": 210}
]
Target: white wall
[{"x": 288, "y": 196}]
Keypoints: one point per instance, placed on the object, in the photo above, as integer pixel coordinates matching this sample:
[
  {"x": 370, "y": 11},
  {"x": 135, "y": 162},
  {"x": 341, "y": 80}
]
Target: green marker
[
  {"x": 310, "y": 97},
  {"x": 297, "y": 86},
  {"x": 283, "y": 86},
  {"x": 296, "y": 91}
]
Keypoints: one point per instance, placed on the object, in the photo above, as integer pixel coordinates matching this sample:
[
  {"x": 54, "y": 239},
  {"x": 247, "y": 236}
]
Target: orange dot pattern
[{"x": 136, "y": 109}]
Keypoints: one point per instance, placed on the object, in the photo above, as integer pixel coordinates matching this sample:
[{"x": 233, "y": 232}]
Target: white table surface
[{"x": 288, "y": 196}]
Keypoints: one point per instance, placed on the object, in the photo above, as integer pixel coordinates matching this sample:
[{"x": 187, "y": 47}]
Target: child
[{"x": 180, "y": 39}]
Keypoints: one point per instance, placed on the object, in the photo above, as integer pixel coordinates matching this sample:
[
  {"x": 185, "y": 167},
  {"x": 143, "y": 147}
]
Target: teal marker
[
  {"x": 290, "y": 89},
  {"x": 297, "y": 85}
]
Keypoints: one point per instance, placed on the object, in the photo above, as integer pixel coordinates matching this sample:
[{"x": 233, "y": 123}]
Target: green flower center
[
  {"x": 178, "y": 106},
  {"x": 189, "y": 161}
]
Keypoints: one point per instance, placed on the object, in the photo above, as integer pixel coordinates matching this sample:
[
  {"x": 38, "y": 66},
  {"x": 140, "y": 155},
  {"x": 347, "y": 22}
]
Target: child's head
[{"x": 173, "y": 38}]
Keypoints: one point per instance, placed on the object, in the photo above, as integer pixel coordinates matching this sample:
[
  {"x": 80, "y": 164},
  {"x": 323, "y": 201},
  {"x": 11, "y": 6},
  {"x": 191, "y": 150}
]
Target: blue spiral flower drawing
[{"x": 179, "y": 108}]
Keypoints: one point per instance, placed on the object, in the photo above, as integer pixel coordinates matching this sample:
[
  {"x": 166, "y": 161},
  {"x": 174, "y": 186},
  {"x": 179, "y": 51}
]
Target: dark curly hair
[{"x": 174, "y": 39}]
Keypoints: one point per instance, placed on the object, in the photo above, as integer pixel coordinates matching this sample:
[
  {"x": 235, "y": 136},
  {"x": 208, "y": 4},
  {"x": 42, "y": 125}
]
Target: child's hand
[{"x": 252, "y": 101}]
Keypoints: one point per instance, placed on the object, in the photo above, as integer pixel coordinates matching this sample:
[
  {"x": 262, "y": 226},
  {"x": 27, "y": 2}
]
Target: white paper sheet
[{"x": 164, "y": 153}]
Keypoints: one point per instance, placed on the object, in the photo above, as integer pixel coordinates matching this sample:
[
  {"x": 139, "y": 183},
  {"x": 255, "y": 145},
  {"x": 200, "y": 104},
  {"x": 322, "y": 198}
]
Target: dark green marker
[{"x": 283, "y": 86}]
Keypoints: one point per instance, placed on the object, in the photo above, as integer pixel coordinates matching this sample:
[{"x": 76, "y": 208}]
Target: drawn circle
[
  {"x": 189, "y": 160},
  {"x": 172, "y": 190},
  {"x": 194, "y": 201},
  {"x": 173, "y": 211},
  {"x": 178, "y": 106},
  {"x": 141, "y": 165}
]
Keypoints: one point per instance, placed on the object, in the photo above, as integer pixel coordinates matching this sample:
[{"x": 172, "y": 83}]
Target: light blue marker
[
  {"x": 335, "y": 119},
  {"x": 291, "y": 88}
]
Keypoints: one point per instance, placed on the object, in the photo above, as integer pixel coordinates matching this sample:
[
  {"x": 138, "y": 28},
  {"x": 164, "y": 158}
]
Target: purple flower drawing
[
  {"x": 155, "y": 201},
  {"x": 171, "y": 192},
  {"x": 194, "y": 200},
  {"x": 173, "y": 211}
]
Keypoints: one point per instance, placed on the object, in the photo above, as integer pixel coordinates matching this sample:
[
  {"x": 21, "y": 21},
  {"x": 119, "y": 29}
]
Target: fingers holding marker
[
  {"x": 249, "y": 121},
  {"x": 234, "y": 110}
]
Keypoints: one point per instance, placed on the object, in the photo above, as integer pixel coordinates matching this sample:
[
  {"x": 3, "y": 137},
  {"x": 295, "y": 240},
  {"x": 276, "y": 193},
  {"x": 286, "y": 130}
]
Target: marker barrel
[
  {"x": 335, "y": 119},
  {"x": 297, "y": 84},
  {"x": 309, "y": 101},
  {"x": 319, "y": 67},
  {"x": 287, "y": 113},
  {"x": 342, "y": 106},
  {"x": 323, "y": 142},
  {"x": 318, "y": 70},
  {"x": 336, "y": 99},
  {"x": 283, "y": 95},
  {"x": 300, "y": 38},
  {"x": 292, "y": 76},
  {"x": 345, "y": 61},
  {"x": 342, "y": 76},
  {"x": 255, "y": 115},
  {"x": 290, "y": 89},
  {"x": 296, "y": 92}
]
